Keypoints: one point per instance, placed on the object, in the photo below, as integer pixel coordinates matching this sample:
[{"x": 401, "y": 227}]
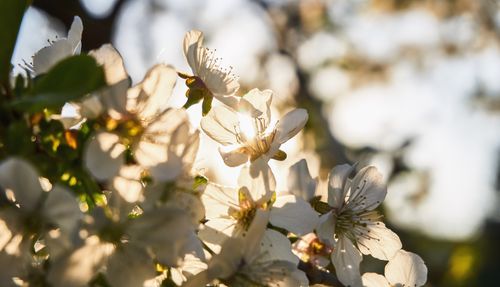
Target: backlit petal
[
  {"x": 346, "y": 259},
  {"x": 293, "y": 214},
  {"x": 291, "y": 124},
  {"x": 406, "y": 268}
]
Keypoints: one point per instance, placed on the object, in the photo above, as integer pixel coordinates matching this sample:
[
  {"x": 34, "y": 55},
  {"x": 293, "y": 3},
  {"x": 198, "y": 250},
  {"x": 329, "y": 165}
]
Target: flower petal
[
  {"x": 276, "y": 247},
  {"x": 337, "y": 189},
  {"x": 371, "y": 279},
  {"x": 78, "y": 267},
  {"x": 367, "y": 190},
  {"x": 216, "y": 231},
  {"x": 112, "y": 62},
  {"x": 20, "y": 177},
  {"x": 148, "y": 98},
  {"x": 164, "y": 230},
  {"x": 75, "y": 34},
  {"x": 380, "y": 242},
  {"x": 261, "y": 187},
  {"x": 233, "y": 157},
  {"x": 290, "y": 125},
  {"x": 129, "y": 267},
  {"x": 300, "y": 182},
  {"x": 219, "y": 199},
  {"x": 153, "y": 146},
  {"x": 346, "y": 259},
  {"x": 406, "y": 268},
  {"x": 104, "y": 155},
  {"x": 293, "y": 214},
  {"x": 190, "y": 203},
  {"x": 61, "y": 208},
  {"x": 192, "y": 43},
  {"x": 257, "y": 104},
  {"x": 47, "y": 57},
  {"x": 128, "y": 183},
  {"x": 326, "y": 228},
  {"x": 220, "y": 124}
]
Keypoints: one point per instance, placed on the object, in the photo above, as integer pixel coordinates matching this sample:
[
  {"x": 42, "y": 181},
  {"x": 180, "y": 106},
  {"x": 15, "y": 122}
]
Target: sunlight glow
[{"x": 247, "y": 125}]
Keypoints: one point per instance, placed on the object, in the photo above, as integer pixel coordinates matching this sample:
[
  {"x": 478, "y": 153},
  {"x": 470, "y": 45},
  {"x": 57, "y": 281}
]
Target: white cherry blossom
[
  {"x": 247, "y": 134},
  {"x": 143, "y": 124},
  {"x": 126, "y": 249},
  {"x": 30, "y": 211},
  {"x": 247, "y": 260},
  {"x": 209, "y": 79},
  {"x": 353, "y": 227}
]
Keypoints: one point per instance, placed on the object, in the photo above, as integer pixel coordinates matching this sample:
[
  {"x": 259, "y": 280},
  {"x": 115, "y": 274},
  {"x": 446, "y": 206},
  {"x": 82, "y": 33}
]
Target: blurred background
[{"x": 410, "y": 86}]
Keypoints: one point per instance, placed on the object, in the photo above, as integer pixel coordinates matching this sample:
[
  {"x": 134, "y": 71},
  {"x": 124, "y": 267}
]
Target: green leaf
[
  {"x": 11, "y": 15},
  {"x": 67, "y": 81}
]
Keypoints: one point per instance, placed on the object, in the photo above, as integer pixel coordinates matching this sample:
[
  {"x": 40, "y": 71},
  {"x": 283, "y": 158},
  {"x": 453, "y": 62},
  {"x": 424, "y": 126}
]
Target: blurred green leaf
[
  {"x": 18, "y": 139},
  {"x": 67, "y": 81},
  {"x": 11, "y": 15}
]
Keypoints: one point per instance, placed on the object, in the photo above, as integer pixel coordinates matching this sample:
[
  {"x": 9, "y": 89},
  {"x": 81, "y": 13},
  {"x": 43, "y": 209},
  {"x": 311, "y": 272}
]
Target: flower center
[
  {"x": 129, "y": 129},
  {"x": 252, "y": 134},
  {"x": 355, "y": 225}
]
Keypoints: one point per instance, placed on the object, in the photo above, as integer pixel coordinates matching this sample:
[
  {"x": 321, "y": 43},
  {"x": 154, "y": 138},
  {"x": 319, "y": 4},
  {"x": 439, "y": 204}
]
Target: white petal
[
  {"x": 293, "y": 214},
  {"x": 129, "y": 267},
  {"x": 75, "y": 34},
  {"x": 218, "y": 199},
  {"x": 367, "y": 183},
  {"x": 164, "y": 230},
  {"x": 371, "y": 279},
  {"x": 262, "y": 186},
  {"x": 47, "y": 57},
  {"x": 61, "y": 208},
  {"x": 216, "y": 231},
  {"x": 275, "y": 246},
  {"x": 326, "y": 228},
  {"x": 104, "y": 155},
  {"x": 128, "y": 183},
  {"x": 90, "y": 107},
  {"x": 11, "y": 229},
  {"x": 406, "y": 268},
  {"x": 192, "y": 43},
  {"x": 381, "y": 243},
  {"x": 290, "y": 125},
  {"x": 168, "y": 170},
  {"x": 21, "y": 178},
  {"x": 233, "y": 157},
  {"x": 275, "y": 274},
  {"x": 190, "y": 203},
  {"x": 238, "y": 249},
  {"x": 337, "y": 189},
  {"x": 77, "y": 268},
  {"x": 255, "y": 234},
  {"x": 220, "y": 124},
  {"x": 257, "y": 104},
  {"x": 346, "y": 259},
  {"x": 219, "y": 82},
  {"x": 150, "y": 97},
  {"x": 114, "y": 99},
  {"x": 153, "y": 146},
  {"x": 300, "y": 182},
  {"x": 191, "y": 150},
  {"x": 112, "y": 62}
]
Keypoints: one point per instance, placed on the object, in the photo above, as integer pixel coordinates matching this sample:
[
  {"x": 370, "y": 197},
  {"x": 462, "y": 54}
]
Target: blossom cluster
[{"x": 156, "y": 220}]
